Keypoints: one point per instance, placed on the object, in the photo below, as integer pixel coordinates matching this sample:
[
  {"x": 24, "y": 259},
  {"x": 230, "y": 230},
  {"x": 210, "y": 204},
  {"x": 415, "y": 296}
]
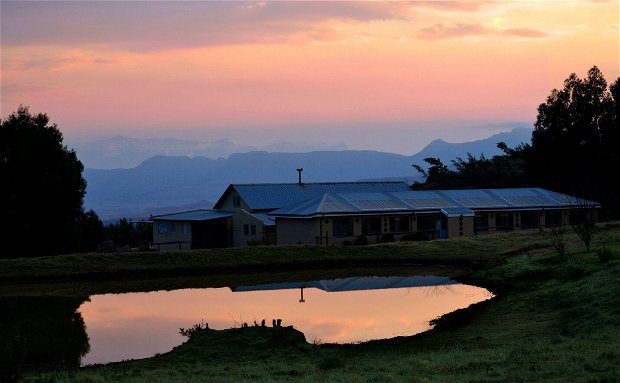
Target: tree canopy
[
  {"x": 575, "y": 149},
  {"x": 42, "y": 187},
  {"x": 576, "y": 140}
]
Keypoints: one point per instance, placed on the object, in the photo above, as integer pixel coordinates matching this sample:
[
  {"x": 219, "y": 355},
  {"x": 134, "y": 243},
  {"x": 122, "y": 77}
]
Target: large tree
[
  {"x": 42, "y": 187},
  {"x": 575, "y": 143}
]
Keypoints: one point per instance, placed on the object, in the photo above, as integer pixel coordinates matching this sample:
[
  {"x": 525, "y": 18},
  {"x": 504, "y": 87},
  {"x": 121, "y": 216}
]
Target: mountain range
[
  {"x": 164, "y": 184},
  {"x": 126, "y": 152}
]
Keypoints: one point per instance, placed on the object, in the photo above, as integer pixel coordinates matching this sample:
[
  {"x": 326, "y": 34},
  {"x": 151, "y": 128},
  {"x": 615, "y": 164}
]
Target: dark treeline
[
  {"x": 575, "y": 149},
  {"x": 42, "y": 193}
]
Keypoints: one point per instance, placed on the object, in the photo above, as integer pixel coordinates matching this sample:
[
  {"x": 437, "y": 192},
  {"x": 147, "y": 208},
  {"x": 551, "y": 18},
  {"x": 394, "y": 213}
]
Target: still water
[{"x": 139, "y": 325}]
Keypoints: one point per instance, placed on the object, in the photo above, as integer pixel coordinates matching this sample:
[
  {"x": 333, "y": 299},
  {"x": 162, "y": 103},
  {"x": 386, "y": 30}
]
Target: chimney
[{"x": 299, "y": 171}]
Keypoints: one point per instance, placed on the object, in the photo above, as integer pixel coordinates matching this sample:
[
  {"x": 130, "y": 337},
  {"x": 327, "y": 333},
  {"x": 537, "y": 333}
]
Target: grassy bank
[
  {"x": 555, "y": 319},
  {"x": 472, "y": 252}
]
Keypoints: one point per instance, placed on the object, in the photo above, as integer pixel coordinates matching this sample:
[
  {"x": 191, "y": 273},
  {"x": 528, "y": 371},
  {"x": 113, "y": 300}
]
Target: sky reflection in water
[{"x": 138, "y": 325}]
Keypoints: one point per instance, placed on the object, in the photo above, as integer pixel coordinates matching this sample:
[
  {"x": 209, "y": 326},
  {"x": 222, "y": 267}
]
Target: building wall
[
  {"x": 227, "y": 203},
  {"x": 296, "y": 231},
  {"x": 242, "y": 220},
  {"x": 174, "y": 235},
  {"x": 460, "y": 227}
]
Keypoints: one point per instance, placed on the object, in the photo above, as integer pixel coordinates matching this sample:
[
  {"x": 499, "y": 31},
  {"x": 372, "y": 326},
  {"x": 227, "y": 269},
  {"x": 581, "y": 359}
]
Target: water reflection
[
  {"x": 42, "y": 332},
  {"x": 137, "y": 325}
]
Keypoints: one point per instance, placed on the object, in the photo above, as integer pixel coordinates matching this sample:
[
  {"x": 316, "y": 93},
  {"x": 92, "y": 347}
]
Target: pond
[
  {"x": 138, "y": 325},
  {"x": 103, "y": 328}
]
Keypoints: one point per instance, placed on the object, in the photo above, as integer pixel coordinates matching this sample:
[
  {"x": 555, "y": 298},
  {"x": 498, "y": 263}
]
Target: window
[
  {"x": 371, "y": 226},
  {"x": 343, "y": 227},
  {"x": 246, "y": 229},
  {"x": 481, "y": 222},
  {"x": 236, "y": 201},
  {"x": 399, "y": 224},
  {"x": 185, "y": 228},
  {"x": 504, "y": 221},
  {"x": 427, "y": 223},
  {"x": 253, "y": 229},
  {"x": 529, "y": 220},
  {"x": 173, "y": 227},
  {"x": 162, "y": 228}
]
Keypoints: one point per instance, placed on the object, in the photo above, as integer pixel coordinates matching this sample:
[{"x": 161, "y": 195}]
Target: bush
[
  {"x": 259, "y": 242},
  {"x": 346, "y": 243},
  {"x": 605, "y": 254},
  {"x": 330, "y": 362},
  {"x": 361, "y": 241},
  {"x": 387, "y": 237},
  {"x": 417, "y": 236}
]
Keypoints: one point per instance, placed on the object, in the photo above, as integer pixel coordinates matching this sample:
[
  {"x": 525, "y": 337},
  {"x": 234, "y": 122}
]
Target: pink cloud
[
  {"x": 524, "y": 32},
  {"x": 442, "y": 31},
  {"x": 468, "y": 6}
]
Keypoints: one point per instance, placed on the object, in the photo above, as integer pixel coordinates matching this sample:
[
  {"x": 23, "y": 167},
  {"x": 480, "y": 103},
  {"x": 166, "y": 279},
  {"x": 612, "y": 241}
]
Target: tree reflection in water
[{"x": 41, "y": 332}]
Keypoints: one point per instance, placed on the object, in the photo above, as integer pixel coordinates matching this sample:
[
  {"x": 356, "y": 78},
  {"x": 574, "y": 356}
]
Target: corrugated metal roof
[
  {"x": 275, "y": 196},
  {"x": 354, "y": 284},
  {"x": 194, "y": 215},
  {"x": 448, "y": 202}
]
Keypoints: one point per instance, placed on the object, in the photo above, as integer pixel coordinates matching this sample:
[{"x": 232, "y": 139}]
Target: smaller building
[{"x": 205, "y": 228}]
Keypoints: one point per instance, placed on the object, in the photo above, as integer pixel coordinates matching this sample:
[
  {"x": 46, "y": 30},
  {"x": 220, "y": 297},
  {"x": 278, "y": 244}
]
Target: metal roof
[
  {"x": 449, "y": 202},
  {"x": 354, "y": 284},
  {"x": 267, "y": 221},
  {"x": 194, "y": 215},
  {"x": 275, "y": 196}
]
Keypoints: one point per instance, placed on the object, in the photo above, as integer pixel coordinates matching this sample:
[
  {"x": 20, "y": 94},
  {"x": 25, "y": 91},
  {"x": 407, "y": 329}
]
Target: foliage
[
  {"x": 194, "y": 330},
  {"x": 42, "y": 187},
  {"x": 263, "y": 241},
  {"x": 558, "y": 241},
  {"x": 125, "y": 233},
  {"x": 606, "y": 254},
  {"x": 90, "y": 231},
  {"x": 585, "y": 224},
  {"x": 387, "y": 237},
  {"x": 507, "y": 170},
  {"x": 576, "y": 140},
  {"x": 361, "y": 241},
  {"x": 575, "y": 149}
]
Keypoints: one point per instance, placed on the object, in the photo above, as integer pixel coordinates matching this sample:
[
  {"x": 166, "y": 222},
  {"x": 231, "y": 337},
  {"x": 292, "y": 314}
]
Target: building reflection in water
[{"x": 138, "y": 325}]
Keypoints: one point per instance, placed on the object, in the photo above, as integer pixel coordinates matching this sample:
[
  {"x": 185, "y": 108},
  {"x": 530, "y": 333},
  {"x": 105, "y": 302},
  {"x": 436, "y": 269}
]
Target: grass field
[{"x": 555, "y": 319}]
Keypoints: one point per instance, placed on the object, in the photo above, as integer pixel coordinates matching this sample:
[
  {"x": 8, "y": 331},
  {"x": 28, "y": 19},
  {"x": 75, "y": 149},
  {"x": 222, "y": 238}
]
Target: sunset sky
[{"x": 308, "y": 70}]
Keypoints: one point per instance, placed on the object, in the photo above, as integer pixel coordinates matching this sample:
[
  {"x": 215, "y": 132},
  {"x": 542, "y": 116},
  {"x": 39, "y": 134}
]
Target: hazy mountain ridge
[
  {"x": 124, "y": 152},
  {"x": 180, "y": 180}
]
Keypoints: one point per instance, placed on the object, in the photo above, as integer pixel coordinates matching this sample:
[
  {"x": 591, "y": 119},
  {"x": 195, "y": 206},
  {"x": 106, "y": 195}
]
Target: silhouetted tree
[
  {"x": 576, "y": 142},
  {"x": 507, "y": 170},
  {"x": 90, "y": 231},
  {"x": 125, "y": 233},
  {"x": 42, "y": 187}
]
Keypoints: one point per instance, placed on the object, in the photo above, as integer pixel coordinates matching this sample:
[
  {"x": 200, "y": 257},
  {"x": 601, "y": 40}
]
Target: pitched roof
[
  {"x": 449, "y": 202},
  {"x": 275, "y": 196},
  {"x": 194, "y": 215}
]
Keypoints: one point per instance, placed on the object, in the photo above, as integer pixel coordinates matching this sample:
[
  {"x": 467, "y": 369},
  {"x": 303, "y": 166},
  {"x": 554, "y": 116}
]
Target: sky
[{"x": 376, "y": 75}]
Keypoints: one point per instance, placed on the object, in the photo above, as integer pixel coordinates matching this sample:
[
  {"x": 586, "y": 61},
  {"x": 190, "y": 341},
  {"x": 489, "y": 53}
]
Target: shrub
[
  {"x": 330, "y": 363},
  {"x": 387, "y": 237},
  {"x": 417, "y": 236},
  {"x": 605, "y": 254},
  {"x": 361, "y": 241}
]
